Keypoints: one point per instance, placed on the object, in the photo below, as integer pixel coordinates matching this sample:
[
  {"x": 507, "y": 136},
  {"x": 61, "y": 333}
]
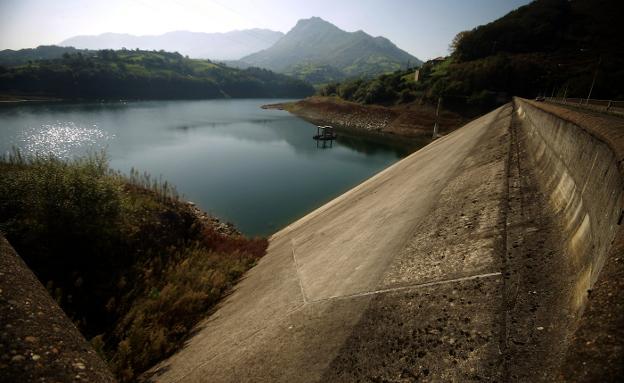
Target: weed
[{"x": 130, "y": 263}]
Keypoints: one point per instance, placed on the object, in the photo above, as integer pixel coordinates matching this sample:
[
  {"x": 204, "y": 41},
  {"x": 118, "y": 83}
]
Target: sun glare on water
[{"x": 63, "y": 139}]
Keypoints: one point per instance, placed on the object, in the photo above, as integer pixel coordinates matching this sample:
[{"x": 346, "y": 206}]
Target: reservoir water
[{"x": 259, "y": 169}]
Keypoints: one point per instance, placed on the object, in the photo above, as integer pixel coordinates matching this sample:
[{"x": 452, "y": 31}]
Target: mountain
[
  {"x": 217, "y": 46},
  {"x": 318, "y": 51},
  {"x": 134, "y": 74}
]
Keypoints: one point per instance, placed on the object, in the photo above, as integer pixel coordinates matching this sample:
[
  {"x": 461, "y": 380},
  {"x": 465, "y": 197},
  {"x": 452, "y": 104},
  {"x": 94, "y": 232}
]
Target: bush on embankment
[{"x": 133, "y": 266}]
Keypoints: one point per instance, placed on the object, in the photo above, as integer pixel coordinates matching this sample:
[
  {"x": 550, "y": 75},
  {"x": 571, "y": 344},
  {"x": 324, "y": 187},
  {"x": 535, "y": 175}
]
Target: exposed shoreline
[
  {"x": 18, "y": 99},
  {"x": 411, "y": 121}
]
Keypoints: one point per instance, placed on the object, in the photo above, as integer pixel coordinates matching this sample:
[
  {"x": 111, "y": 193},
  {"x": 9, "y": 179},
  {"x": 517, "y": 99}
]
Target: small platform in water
[{"x": 324, "y": 133}]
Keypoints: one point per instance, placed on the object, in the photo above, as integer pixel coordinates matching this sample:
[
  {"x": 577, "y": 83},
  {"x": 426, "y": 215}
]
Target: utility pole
[
  {"x": 435, "y": 126},
  {"x": 494, "y": 46},
  {"x": 593, "y": 81}
]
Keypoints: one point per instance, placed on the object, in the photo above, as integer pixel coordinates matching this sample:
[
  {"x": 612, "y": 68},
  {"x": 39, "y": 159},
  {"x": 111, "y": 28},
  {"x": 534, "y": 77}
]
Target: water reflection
[
  {"x": 367, "y": 144},
  {"x": 324, "y": 144},
  {"x": 259, "y": 169},
  {"x": 61, "y": 138}
]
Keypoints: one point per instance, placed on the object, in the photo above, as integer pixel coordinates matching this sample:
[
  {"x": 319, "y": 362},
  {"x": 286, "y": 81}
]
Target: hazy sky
[{"x": 422, "y": 27}]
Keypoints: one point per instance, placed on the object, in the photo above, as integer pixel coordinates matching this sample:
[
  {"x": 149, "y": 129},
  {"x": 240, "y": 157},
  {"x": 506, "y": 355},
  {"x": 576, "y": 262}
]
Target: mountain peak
[
  {"x": 313, "y": 20},
  {"x": 315, "y": 45},
  {"x": 314, "y": 23}
]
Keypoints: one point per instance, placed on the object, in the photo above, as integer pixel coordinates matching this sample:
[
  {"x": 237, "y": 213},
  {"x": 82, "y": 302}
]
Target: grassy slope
[{"x": 133, "y": 266}]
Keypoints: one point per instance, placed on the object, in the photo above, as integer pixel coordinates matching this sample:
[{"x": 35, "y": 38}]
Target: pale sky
[{"x": 424, "y": 28}]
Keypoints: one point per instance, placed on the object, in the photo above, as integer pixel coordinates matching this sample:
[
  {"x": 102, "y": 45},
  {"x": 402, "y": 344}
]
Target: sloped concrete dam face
[{"x": 469, "y": 260}]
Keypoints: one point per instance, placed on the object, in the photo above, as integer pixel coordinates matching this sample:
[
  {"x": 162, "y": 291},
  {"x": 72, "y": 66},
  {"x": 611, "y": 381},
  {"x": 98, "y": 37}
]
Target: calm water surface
[{"x": 259, "y": 169}]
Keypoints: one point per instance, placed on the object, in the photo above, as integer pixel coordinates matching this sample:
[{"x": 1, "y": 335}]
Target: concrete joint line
[
  {"x": 403, "y": 288},
  {"x": 303, "y": 293},
  {"x": 261, "y": 329},
  {"x": 357, "y": 295}
]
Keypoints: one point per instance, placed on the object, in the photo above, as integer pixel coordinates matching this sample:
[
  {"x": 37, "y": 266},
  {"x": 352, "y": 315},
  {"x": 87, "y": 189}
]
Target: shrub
[{"x": 134, "y": 267}]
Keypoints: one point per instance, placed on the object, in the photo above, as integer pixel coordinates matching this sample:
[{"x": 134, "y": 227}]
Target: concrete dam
[
  {"x": 478, "y": 257},
  {"x": 495, "y": 253}
]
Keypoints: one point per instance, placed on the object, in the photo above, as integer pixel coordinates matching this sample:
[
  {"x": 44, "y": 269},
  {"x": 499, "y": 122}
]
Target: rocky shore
[
  {"x": 225, "y": 228},
  {"x": 411, "y": 121}
]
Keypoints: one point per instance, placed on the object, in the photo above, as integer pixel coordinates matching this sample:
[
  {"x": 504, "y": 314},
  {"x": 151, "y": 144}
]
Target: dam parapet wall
[
  {"x": 38, "y": 342},
  {"x": 578, "y": 158}
]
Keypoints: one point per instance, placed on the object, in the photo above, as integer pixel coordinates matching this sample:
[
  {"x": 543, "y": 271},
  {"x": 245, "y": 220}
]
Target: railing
[{"x": 609, "y": 106}]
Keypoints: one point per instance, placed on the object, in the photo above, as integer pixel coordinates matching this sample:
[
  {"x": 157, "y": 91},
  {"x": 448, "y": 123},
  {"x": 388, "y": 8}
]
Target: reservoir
[{"x": 259, "y": 169}]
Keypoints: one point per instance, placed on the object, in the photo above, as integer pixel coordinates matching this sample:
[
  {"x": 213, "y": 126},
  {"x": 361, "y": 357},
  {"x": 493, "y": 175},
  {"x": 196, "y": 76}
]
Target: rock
[
  {"x": 35, "y": 357},
  {"x": 30, "y": 339},
  {"x": 17, "y": 358}
]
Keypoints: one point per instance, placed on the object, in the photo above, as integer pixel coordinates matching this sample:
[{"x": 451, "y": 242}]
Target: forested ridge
[
  {"x": 136, "y": 74},
  {"x": 548, "y": 47}
]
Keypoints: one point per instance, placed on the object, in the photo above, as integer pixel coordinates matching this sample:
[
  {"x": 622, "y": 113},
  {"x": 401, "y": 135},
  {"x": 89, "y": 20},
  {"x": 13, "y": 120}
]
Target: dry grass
[{"x": 129, "y": 263}]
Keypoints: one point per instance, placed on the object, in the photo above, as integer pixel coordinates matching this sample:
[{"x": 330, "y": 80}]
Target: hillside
[
  {"x": 10, "y": 57},
  {"x": 217, "y": 46},
  {"x": 318, "y": 51},
  {"x": 548, "y": 47},
  {"x": 143, "y": 75}
]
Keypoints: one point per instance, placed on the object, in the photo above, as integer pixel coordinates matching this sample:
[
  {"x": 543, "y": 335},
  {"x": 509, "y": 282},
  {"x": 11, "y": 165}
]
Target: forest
[
  {"x": 548, "y": 48},
  {"x": 137, "y": 74}
]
